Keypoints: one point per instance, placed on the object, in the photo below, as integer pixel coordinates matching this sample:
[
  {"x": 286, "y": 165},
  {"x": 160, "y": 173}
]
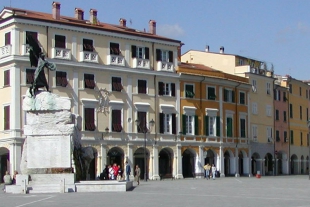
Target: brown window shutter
[
  {"x": 7, "y": 38},
  {"x": 6, "y": 117}
]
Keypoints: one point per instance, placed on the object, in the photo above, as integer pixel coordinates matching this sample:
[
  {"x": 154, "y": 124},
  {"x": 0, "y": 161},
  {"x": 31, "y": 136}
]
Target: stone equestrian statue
[{"x": 37, "y": 59}]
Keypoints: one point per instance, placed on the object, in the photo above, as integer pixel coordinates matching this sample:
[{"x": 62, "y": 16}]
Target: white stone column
[
  {"x": 129, "y": 105},
  {"x": 15, "y": 107},
  {"x": 127, "y": 55},
  {"x": 15, "y": 156},
  {"x": 155, "y": 163},
  {"x": 129, "y": 158},
  {"x": 15, "y": 42},
  {"x": 75, "y": 96},
  {"x": 74, "y": 49},
  {"x": 179, "y": 174},
  {"x": 236, "y": 163},
  {"x": 103, "y": 153},
  {"x": 199, "y": 167},
  {"x": 221, "y": 167}
]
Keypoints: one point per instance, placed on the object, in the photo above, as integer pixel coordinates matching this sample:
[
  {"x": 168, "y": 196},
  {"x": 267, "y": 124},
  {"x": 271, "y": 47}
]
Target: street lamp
[{"x": 143, "y": 128}]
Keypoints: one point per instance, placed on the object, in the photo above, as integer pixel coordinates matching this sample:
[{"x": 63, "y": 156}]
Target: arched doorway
[
  {"x": 210, "y": 157},
  {"x": 294, "y": 165},
  {"x": 240, "y": 160},
  {"x": 116, "y": 155},
  {"x": 139, "y": 160},
  {"x": 302, "y": 165},
  {"x": 4, "y": 161},
  {"x": 255, "y": 163},
  {"x": 227, "y": 163},
  {"x": 165, "y": 163},
  {"x": 188, "y": 163},
  {"x": 279, "y": 167},
  {"x": 268, "y": 164},
  {"x": 307, "y": 165}
]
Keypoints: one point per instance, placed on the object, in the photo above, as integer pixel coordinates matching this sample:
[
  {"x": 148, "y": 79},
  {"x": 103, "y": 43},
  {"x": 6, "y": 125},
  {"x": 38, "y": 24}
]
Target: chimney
[
  {"x": 152, "y": 27},
  {"x": 207, "y": 48},
  {"x": 56, "y": 10},
  {"x": 79, "y": 14},
  {"x": 222, "y": 50},
  {"x": 122, "y": 22},
  {"x": 93, "y": 16}
]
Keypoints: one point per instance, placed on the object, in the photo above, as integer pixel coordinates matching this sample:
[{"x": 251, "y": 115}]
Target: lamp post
[{"x": 144, "y": 129}]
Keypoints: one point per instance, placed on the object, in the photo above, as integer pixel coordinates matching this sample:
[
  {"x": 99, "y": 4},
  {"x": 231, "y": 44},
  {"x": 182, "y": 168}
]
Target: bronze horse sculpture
[{"x": 37, "y": 59}]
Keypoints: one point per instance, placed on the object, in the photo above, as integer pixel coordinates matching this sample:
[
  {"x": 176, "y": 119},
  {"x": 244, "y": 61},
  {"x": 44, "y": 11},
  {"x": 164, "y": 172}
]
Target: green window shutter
[
  {"x": 196, "y": 125},
  {"x": 207, "y": 125},
  {"x": 184, "y": 124},
  {"x": 218, "y": 126},
  {"x": 229, "y": 127}
]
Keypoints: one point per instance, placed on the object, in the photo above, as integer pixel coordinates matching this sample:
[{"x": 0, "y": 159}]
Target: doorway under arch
[
  {"x": 116, "y": 155},
  {"x": 188, "y": 163},
  {"x": 255, "y": 163},
  {"x": 4, "y": 161},
  {"x": 294, "y": 164},
  {"x": 139, "y": 160},
  {"x": 166, "y": 163}
]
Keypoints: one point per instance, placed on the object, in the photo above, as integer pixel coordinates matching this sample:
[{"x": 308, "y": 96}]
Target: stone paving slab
[{"x": 279, "y": 191}]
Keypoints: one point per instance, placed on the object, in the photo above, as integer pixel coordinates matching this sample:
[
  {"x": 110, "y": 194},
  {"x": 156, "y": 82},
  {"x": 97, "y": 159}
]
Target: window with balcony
[
  {"x": 60, "y": 41},
  {"x": 229, "y": 95},
  {"x": 6, "y": 81},
  {"x": 140, "y": 52},
  {"x": 211, "y": 93},
  {"x": 33, "y": 34},
  {"x": 242, "y": 98},
  {"x": 89, "y": 120},
  {"x": 212, "y": 125},
  {"x": 142, "y": 118},
  {"x": 142, "y": 86},
  {"x": 167, "y": 123},
  {"x": 164, "y": 55},
  {"x": 114, "y": 49},
  {"x": 117, "y": 84},
  {"x": 6, "y": 118},
  {"x": 7, "y": 38},
  {"x": 89, "y": 81},
  {"x": 117, "y": 120},
  {"x": 189, "y": 91},
  {"x": 61, "y": 79},
  {"x": 166, "y": 89},
  {"x": 88, "y": 45},
  {"x": 30, "y": 76}
]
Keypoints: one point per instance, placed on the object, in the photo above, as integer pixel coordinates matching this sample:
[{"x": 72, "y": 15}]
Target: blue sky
[{"x": 275, "y": 31}]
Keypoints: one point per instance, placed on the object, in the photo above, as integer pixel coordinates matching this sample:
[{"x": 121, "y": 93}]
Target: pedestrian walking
[
  {"x": 213, "y": 171},
  {"x": 137, "y": 176},
  {"x": 128, "y": 170},
  {"x": 207, "y": 168}
]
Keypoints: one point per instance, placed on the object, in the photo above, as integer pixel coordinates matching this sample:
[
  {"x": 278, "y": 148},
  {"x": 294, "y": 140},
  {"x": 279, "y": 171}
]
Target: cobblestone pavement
[{"x": 284, "y": 191}]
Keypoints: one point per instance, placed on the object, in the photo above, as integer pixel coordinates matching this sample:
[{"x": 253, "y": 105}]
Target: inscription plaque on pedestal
[{"x": 49, "y": 152}]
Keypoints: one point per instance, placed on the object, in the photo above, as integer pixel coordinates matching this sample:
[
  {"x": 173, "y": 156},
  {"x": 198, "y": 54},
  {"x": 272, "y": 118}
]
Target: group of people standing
[
  {"x": 115, "y": 172},
  {"x": 8, "y": 180},
  {"x": 210, "y": 171}
]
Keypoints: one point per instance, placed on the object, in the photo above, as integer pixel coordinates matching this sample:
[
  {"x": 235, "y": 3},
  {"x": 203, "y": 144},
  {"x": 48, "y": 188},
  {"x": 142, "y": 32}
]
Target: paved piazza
[{"x": 282, "y": 191}]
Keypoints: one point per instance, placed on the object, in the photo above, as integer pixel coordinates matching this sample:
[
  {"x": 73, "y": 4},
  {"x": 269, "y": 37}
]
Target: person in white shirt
[{"x": 213, "y": 171}]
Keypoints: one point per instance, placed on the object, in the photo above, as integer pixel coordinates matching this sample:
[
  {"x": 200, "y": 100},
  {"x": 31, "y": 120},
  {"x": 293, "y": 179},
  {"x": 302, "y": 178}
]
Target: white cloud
[{"x": 170, "y": 30}]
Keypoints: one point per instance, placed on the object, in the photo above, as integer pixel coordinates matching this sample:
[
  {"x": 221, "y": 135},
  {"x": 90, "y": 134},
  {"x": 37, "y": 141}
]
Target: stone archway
[
  {"x": 241, "y": 163},
  {"x": 165, "y": 163},
  {"x": 255, "y": 163},
  {"x": 294, "y": 164},
  {"x": 116, "y": 155},
  {"x": 227, "y": 163},
  {"x": 268, "y": 164},
  {"x": 4, "y": 161},
  {"x": 188, "y": 163},
  {"x": 210, "y": 157},
  {"x": 139, "y": 160}
]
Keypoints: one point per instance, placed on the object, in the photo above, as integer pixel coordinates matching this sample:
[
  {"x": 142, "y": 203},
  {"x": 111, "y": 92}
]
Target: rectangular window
[
  {"x": 285, "y": 136},
  {"x": 268, "y": 88},
  {"x": 300, "y": 91},
  {"x": 307, "y": 114},
  {"x": 29, "y": 76},
  {"x": 89, "y": 81},
  {"x": 229, "y": 128},
  {"x": 242, "y": 98},
  {"x": 33, "y": 34},
  {"x": 268, "y": 110},
  {"x": 277, "y": 114},
  {"x": 117, "y": 84},
  {"x": 89, "y": 114},
  {"x": 254, "y": 86},
  {"x": 88, "y": 45},
  {"x": 189, "y": 122},
  {"x": 142, "y": 86},
  {"x": 211, "y": 93},
  {"x": 229, "y": 96},
  {"x": 292, "y": 137},
  {"x": 6, "y": 81},
  {"x": 254, "y": 133},
  {"x": 301, "y": 139},
  {"x": 114, "y": 49},
  {"x": 166, "y": 89},
  {"x": 290, "y": 88},
  {"x": 163, "y": 55},
  {"x": 140, "y": 52},
  {"x": 60, "y": 41},
  {"x": 277, "y": 136},
  {"x": 284, "y": 116},
  {"x": 291, "y": 111},
  {"x": 277, "y": 95},
  {"x": 306, "y": 93},
  {"x": 212, "y": 125},
  {"x": 6, "y": 117},
  {"x": 189, "y": 91},
  {"x": 269, "y": 134},
  {"x": 242, "y": 128},
  {"x": 7, "y": 38},
  {"x": 284, "y": 97},
  {"x": 254, "y": 108},
  {"x": 142, "y": 118},
  {"x": 167, "y": 124},
  {"x": 61, "y": 79},
  {"x": 300, "y": 112},
  {"x": 117, "y": 120}
]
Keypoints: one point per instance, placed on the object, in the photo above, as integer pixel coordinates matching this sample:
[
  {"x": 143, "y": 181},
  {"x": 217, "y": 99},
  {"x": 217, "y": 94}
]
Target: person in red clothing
[{"x": 115, "y": 169}]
